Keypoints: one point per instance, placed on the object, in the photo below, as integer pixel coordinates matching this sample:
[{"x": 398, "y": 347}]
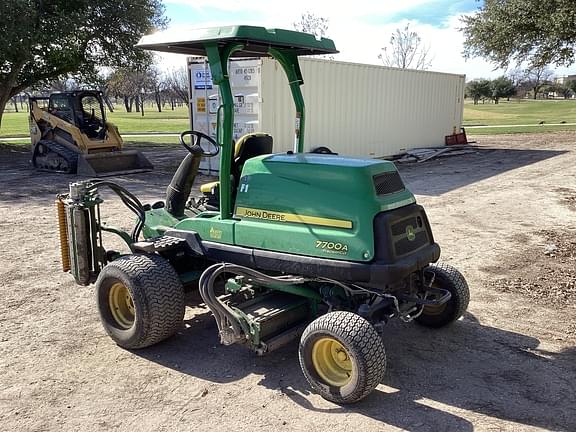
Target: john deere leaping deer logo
[
  {"x": 215, "y": 233},
  {"x": 410, "y": 234}
]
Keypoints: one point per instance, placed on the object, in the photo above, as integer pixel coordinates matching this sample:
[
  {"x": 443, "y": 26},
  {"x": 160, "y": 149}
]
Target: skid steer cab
[
  {"x": 310, "y": 246},
  {"x": 70, "y": 135}
]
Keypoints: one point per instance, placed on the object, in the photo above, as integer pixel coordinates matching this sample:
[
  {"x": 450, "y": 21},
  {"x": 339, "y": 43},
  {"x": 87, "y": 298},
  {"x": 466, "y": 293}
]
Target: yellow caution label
[
  {"x": 291, "y": 217},
  {"x": 201, "y": 105}
]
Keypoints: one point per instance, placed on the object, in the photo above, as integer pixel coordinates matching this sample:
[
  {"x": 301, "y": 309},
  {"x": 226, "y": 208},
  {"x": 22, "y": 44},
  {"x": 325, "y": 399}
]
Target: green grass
[
  {"x": 515, "y": 112},
  {"x": 519, "y": 112},
  {"x": 149, "y": 141},
  {"x": 153, "y": 121},
  {"x": 519, "y": 130},
  {"x": 16, "y": 124},
  {"x": 146, "y": 141}
]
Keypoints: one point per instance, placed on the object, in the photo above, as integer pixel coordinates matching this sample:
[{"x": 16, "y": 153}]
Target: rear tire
[
  {"x": 450, "y": 279},
  {"x": 342, "y": 357},
  {"x": 140, "y": 300}
]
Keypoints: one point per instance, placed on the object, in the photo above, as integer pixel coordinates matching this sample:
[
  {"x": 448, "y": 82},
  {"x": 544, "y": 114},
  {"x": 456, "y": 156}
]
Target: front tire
[
  {"x": 450, "y": 279},
  {"x": 342, "y": 357},
  {"x": 140, "y": 300}
]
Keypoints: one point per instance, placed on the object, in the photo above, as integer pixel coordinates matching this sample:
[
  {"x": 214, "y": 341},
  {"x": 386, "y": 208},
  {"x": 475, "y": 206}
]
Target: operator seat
[{"x": 247, "y": 147}]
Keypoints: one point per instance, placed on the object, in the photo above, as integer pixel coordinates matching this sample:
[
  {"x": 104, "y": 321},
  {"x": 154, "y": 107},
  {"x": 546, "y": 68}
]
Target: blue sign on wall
[{"x": 202, "y": 79}]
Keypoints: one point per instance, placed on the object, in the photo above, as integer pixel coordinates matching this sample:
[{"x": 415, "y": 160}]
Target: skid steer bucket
[{"x": 112, "y": 163}]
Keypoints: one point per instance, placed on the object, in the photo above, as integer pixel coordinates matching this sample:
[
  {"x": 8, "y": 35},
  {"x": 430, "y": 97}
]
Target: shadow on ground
[
  {"x": 436, "y": 177},
  {"x": 439, "y": 176},
  {"x": 467, "y": 366},
  {"x": 23, "y": 184}
]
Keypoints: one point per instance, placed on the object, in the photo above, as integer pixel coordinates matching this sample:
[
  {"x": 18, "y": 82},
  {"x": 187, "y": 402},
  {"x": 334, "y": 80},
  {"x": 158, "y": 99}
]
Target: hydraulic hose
[
  {"x": 223, "y": 314},
  {"x": 131, "y": 201}
]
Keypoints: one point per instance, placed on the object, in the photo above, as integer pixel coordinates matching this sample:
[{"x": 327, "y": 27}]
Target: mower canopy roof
[{"x": 256, "y": 40}]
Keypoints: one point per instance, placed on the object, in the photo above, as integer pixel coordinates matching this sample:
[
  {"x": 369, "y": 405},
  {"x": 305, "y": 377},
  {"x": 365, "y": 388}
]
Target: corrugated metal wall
[{"x": 362, "y": 110}]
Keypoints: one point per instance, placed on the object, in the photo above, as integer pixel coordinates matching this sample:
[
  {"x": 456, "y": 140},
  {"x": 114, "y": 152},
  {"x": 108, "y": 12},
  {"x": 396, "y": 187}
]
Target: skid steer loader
[{"x": 70, "y": 134}]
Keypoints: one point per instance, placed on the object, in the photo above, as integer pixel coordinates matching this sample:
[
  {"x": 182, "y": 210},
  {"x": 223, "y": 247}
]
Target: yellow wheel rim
[
  {"x": 332, "y": 362},
  {"x": 121, "y": 305},
  {"x": 432, "y": 310}
]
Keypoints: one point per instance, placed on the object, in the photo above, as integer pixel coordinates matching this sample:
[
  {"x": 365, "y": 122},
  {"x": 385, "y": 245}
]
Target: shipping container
[{"x": 353, "y": 109}]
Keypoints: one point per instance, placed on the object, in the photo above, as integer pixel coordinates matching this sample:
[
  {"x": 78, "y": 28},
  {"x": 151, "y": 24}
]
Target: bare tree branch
[{"x": 406, "y": 51}]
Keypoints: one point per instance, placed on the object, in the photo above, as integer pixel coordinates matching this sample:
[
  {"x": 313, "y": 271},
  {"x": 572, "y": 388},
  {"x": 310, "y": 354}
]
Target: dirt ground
[{"x": 505, "y": 216}]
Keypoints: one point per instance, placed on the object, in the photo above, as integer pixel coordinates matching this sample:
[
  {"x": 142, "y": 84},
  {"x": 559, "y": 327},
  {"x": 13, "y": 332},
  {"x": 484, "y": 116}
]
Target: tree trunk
[
  {"x": 9, "y": 87},
  {"x": 108, "y": 103},
  {"x": 4, "y": 98},
  {"x": 127, "y": 104},
  {"x": 137, "y": 102},
  {"x": 158, "y": 102},
  {"x": 15, "y": 102}
]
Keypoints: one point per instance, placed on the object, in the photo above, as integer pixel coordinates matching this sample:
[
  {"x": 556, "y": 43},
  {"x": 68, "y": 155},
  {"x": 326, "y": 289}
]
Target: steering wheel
[
  {"x": 323, "y": 150},
  {"x": 198, "y": 137}
]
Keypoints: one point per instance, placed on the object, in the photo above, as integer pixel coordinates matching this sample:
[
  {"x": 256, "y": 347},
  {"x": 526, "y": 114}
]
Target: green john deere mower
[{"x": 293, "y": 245}]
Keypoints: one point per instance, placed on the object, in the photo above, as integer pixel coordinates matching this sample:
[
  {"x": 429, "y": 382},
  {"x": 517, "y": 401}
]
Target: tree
[
  {"x": 156, "y": 84},
  {"x": 560, "y": 89},
  {"x": 120, "y": 85},
  {"x": 536, "y": 78},
  {"x": 541, "y": 32},
  {"x": 45, "y": 40},
  {"x": 313, "y": 24},
  {"x": 406, "y": 51},
  {"x": 479, "y": 89},
  {"x": 571, "y": 84},
  {"x": 177, "y": 83},
  {"x": 502, "y": 87},
  {"x": 62, "y": 85},
  {"x": 131, "y": 85}
]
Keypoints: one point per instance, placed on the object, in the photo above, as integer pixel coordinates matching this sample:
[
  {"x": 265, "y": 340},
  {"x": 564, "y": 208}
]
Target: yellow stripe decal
[{"x": 291, "y": 217}]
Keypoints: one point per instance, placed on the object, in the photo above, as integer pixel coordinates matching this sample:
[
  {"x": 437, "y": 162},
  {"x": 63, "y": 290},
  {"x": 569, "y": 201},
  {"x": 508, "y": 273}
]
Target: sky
[{"x": 359, "y": 28}]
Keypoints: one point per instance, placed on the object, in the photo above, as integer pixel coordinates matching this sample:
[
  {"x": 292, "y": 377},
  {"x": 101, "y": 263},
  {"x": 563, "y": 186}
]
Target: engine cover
[{"x": 315, "y": 204}]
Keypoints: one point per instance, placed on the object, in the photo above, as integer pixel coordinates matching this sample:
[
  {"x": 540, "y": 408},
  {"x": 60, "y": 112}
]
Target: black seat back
[{"x": 247, "y": 147}]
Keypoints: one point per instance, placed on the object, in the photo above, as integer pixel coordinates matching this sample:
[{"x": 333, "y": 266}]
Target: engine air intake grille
[
  {"x": 388, "y": 183},
  {"x": 405, "y": 246},
  {"x": 409, "y": 234}
]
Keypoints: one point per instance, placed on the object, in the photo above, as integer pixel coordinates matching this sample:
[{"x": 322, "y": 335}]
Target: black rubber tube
[{"x": 223, "y": 315}]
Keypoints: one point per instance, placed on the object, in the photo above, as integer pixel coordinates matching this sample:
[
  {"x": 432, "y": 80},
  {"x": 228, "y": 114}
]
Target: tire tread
[
  {"x": 358, "y": 333},
  {"x": 157, "y": 288},
  {"x": 459, "y": 289}
]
